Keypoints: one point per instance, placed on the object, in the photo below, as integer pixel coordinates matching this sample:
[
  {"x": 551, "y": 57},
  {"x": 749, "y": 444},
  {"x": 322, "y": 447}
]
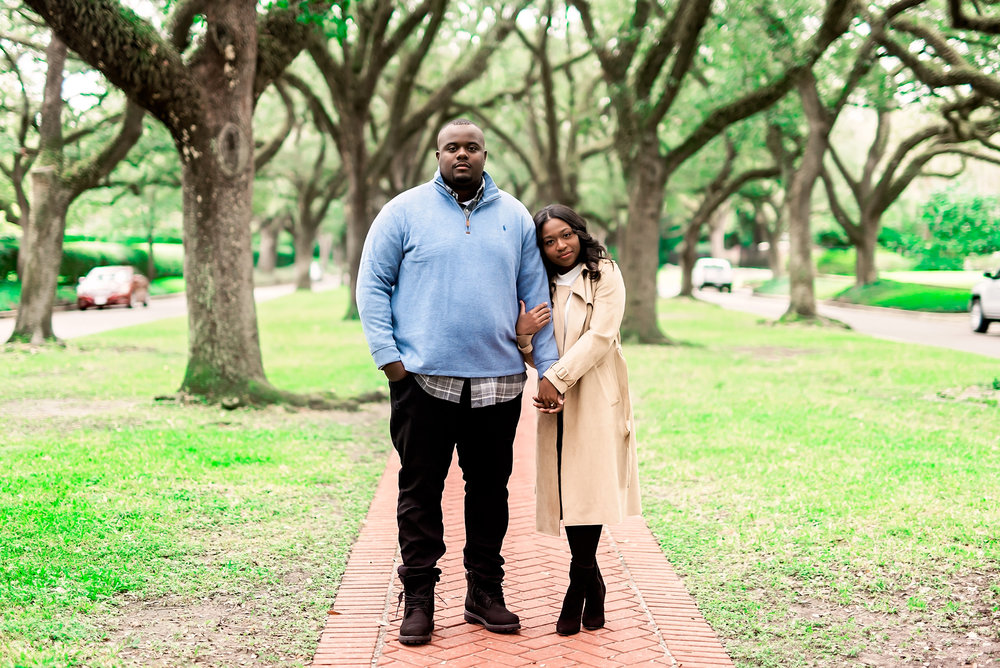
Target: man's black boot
[
  {"x": 484, "y": 605},
  {"x": 418, "y": 611}
]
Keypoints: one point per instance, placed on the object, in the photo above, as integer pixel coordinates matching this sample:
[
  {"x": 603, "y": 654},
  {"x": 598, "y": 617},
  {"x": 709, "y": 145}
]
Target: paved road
[
  {"x": 70, "y": 324},
  {"x": 943, "y": 330}
]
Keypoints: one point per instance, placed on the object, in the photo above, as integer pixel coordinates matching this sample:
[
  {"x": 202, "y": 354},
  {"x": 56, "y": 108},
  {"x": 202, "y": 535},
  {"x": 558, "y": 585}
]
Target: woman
[{"x": 586, "y": 458}]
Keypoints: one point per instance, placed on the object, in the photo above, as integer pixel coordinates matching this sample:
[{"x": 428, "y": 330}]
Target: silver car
[{"x": 984, "y": 303}]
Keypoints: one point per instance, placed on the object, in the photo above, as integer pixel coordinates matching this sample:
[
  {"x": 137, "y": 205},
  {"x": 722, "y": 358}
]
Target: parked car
[
  {"x": 714, "y": 272},
  {"x": 106, "y": 286},
  {"x": 984, "y": 303}
]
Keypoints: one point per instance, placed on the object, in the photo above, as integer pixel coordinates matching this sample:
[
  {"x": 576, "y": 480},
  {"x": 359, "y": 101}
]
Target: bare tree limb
[
  {"x": 182, "y": 21},
  {"x": 88, "y": 173},
  {"x": 962, "y": 21},
  {"x": 269, "y": 150}
]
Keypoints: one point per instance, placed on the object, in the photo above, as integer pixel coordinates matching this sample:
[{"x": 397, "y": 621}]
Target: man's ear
[{"x": 437, "y": 155}]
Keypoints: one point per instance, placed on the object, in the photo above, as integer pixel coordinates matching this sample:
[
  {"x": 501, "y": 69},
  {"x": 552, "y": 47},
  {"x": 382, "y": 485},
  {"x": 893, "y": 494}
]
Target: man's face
[{"x": 461, "y": 156}]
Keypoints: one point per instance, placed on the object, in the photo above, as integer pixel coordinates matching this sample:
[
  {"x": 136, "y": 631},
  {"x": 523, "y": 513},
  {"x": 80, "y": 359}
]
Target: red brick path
[{"x": 651, "y": 619}]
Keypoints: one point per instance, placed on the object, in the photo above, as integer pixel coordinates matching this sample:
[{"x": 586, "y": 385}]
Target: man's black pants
[{"x": 425, "y": 431}]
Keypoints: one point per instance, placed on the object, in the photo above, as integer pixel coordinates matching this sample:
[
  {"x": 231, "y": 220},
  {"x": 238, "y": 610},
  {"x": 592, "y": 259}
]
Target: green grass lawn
[
  {"x": 908, "y": 296},
  {"x": 826, "y": 286},
  {"x": 825, "y": 498},
  {"x": 10, "y": 295},
  {"x": 948, "y": 279},
  {"x": 934, "y": 291},
  {"x": 141, "y": 532}
]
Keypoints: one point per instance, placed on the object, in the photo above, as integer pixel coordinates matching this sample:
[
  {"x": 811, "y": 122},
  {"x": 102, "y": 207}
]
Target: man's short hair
[{"x": 457, "y": 121}]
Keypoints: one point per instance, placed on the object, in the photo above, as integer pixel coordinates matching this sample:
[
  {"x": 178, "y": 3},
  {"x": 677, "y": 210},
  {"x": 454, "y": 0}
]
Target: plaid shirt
[
  {"x": 467, "y": 209},
  {"x": 483, "y": 391}
]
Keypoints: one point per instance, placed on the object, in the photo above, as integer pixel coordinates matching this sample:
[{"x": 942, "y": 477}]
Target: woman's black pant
[{"x": 425, "y": 431}]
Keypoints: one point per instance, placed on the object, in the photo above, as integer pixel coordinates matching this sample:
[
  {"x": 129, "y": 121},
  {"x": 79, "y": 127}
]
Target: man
[{"x": 442, "y": 273}]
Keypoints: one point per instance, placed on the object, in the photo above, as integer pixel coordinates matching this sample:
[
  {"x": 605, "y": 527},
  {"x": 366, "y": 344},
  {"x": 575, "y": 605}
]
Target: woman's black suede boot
[
  {"x": 593, "y": 607},
  {"x": 572, "y": 607}
]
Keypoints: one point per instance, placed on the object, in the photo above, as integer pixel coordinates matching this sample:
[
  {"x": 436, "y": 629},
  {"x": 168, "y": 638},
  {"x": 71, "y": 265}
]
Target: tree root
[
  {"x": 790, "y": 318},
  {"x": 260, "y": 395}
]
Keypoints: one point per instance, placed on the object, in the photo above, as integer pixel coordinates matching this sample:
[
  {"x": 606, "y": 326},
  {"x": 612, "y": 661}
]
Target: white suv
[
  {"x": 712, "y": 271},
  {"x": 984, "y": 304}
]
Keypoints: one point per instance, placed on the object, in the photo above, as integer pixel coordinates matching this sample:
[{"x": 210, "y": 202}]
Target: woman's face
[{"x": 560, "y": 244}]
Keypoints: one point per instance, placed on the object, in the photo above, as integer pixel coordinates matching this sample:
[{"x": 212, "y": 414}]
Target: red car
[{"x": 106, "y": 286}]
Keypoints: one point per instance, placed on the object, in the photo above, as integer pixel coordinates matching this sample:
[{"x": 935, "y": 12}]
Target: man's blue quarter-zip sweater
[{"x": 440, "y": 292}]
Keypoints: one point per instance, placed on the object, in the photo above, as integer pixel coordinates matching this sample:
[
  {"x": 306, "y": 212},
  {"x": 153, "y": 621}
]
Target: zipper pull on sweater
[{"x": 468, "y": 229}]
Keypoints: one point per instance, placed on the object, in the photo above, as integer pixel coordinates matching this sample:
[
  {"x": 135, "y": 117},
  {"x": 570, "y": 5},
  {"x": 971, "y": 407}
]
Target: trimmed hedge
[
  {"x": 909, "y": 296},
  {"x": 79, "y": 257},
  {"x": 8, "y": 257},
  {"x": 841, "y": 261}
]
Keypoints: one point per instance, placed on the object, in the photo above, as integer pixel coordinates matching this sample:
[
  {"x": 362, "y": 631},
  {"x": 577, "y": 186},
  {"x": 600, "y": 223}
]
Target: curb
[
  {"x": 920, "y": 315},
  {"x": 71, "y": 306}
]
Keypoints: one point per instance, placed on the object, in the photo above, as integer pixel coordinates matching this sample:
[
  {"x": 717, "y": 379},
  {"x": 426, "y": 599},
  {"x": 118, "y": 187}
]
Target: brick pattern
[{"x": 651, "y": 619}]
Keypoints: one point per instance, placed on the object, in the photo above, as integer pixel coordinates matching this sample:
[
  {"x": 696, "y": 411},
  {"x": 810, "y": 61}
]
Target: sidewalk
[{"x": 651, "y": 619}]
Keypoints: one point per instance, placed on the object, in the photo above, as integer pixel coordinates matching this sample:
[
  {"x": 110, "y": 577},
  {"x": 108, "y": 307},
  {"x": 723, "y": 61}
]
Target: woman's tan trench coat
[{"x": 600, "y": 476}]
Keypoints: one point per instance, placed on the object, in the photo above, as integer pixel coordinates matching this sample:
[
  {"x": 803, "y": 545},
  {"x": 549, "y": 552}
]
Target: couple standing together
[{"x": 454, "y": 291}]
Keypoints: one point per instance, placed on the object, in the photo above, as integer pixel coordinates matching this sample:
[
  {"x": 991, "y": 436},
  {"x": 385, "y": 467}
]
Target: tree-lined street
[
  {"x": 186, "y": 485},
  {"x": 72, "y": 324},
  {"x": 930, "y": 329}
]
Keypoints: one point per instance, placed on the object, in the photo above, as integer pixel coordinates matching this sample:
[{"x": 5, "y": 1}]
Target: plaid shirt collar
[{"x": 471, "y": 206}]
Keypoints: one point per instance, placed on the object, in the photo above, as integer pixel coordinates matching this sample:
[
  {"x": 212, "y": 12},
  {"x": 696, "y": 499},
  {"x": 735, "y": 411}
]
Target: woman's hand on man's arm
[{"x": 529, "y": 322}]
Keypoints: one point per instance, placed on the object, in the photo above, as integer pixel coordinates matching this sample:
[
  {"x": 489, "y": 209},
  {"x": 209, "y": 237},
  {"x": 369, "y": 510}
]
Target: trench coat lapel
[{"x": 578, "y": 312}]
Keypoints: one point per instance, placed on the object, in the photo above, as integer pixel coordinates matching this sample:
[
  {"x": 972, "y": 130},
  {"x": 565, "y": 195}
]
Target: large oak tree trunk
[
  {"x": 55, "y": 182},
  {"x": 41, "y": 248},
  {"x": 359, "y": 216},
  {"x": 224, "y": 357},
  {"x": 640, "y": 257},
  {"x": 689, "y": 254},
  {"x": 801, "y": 273},
  {"x": 772, "y": 236},
  {"x": 865, "y": 271},
  {"x": 305, "y": 243},
  {"x": 41, "y": 262},
  {"x": 717, "y": 229},
  {"x": 267, "y": 251}
]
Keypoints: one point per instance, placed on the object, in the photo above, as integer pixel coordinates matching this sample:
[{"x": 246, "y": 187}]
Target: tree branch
[
  {"x": 839, "y": 213},
  {"x": 852, "y": 184},
  {"x": 321, "y": 118},
  {"x": 835, "y": 19},
  {"x": 181, "y": 22},
  {"x": 268, "y": 151},
  {"x": 695, "y": 15},
  {"x": 959, "y": 72},
  {"x": 442, "y": 97},
  {"x": 87, "y": 174},
  {"x": 962, "y": 21},
  {"x": 281, "y": 37}
]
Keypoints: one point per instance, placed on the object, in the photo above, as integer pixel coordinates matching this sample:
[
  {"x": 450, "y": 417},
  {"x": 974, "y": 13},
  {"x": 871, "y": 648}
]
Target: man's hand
[
  {"x": 548, "y": 399},
  {"x": 395, "y": 371},
  {"x": 529, "y": 322}
]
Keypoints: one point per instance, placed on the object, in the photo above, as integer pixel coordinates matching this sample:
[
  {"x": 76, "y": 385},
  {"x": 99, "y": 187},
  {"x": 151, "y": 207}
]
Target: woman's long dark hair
[{"x": 591, "y": 251}]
